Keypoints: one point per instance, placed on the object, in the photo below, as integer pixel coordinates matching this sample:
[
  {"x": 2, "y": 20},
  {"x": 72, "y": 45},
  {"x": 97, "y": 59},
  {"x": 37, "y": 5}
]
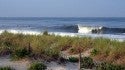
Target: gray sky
[{"x": 62, "y": 8}]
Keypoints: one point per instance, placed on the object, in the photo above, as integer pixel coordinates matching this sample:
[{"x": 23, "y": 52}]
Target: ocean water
[{"x": 94, "y": 27}]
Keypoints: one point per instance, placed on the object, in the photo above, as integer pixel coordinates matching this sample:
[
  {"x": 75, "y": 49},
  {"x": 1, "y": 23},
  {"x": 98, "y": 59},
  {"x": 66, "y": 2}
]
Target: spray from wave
[
  {"x": 89, "y": 29},
  {"x": 99, "y": 30}
]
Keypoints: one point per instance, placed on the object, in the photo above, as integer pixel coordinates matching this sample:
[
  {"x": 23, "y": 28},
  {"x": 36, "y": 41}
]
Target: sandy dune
[
  {"x": 23, "y": 64},
  {"x": 67, "y": 66},
  {"x": 18, "y": 65}
]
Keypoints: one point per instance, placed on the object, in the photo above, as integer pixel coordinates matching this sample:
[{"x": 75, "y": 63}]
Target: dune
[{"x": 24, "y": 64}]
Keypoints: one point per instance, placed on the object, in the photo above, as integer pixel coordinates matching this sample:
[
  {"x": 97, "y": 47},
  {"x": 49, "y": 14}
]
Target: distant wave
[
  {"x": 86, "y": 29},
  {"x": 62, "y": 28},
  {"x": 70, "y": 28},
  {"x": 99, "y": 30},
  {"x": 89, "y": 29}
]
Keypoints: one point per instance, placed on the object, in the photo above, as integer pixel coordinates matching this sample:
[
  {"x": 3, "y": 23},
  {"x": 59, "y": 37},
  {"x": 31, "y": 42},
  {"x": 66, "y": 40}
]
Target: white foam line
[
  {"x": 22, "y": 32},
  {"x": 113, "y": 37},
  {"x": 28, "y": 32}
]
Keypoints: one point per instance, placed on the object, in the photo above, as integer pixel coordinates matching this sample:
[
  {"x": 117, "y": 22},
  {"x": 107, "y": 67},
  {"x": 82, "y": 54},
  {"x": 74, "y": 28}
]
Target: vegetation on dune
[
  {"x": 49, "y": 47},
  {"x": 20, "y": 53},
  {"x": 73, "y": 59},
  {"x": 87, "y": 63},
  {"x": 6, "y": 68},
  {"x": 108, "y": 66},
  {"x": 37, "y": 66},
  {"x": 109, "y": 50}
]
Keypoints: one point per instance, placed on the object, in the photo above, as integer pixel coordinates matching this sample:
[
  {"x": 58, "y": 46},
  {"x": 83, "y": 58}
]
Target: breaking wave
[
  {"x": 99, "y": 30},
  {"x": 68, "y": 28},
  {"x": 86, "y": 29}
]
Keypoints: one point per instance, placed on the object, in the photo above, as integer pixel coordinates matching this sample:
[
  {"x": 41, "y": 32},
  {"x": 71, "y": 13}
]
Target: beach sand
[
  {"x": 17, "y": 65},
  {"x": 24, "y": 64}
]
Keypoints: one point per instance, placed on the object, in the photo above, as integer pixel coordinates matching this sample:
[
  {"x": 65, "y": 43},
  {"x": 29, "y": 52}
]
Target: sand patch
[{"x": 18, "y": 65}]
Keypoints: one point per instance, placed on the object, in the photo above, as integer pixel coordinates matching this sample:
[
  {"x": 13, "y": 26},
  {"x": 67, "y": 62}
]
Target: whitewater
[{"x": 113, "y": 28}]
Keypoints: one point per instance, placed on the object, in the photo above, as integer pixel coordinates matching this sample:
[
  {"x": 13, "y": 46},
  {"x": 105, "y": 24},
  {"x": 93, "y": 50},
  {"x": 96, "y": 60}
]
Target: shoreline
[{"x": 29, "y": 32}]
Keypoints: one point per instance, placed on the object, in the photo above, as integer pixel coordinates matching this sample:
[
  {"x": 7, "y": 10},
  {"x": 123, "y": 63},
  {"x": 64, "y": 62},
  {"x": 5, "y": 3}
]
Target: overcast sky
[{"x": 62, "y": 8}]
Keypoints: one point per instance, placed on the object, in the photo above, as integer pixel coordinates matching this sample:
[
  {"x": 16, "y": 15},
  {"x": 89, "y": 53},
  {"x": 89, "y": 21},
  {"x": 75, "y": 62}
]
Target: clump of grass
[
  {"x": 45, "y": 33},
  {"x": 108, "y": 66},
  {"x": 73, "y": 59},
  {"x": 54, "y": 53},
  {"x": 94, "y": 52},
  {"x": 37, "y": 66},
  {"x": 20, "y": 53},
  {"x": 6, "y": 68},
  {"x": 87, "y": 63}
]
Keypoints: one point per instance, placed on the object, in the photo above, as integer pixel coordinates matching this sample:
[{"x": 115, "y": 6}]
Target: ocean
[{"x": 113, "y": 27}]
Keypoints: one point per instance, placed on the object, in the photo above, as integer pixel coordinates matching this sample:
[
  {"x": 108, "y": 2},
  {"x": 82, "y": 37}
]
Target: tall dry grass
[{"x": 50, "y": 46}]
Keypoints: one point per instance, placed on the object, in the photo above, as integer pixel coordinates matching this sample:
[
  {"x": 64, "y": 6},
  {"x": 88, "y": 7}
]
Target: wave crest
[
  {"x": 89, "y": 29},
  {"x": 99, "y": 30}
]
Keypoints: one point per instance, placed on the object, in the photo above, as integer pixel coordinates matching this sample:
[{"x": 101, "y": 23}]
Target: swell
[
  {"x": 100, "y": 30},
  {"x": 79, "y": 29},
  {"x": 70, "y": 28},
  {"x": 86, "y": 29}
]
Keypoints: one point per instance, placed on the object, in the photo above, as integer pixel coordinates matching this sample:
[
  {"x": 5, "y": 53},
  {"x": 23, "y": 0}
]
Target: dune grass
[
  {"x": 6, "y": 68},
  {"x": 49, "y": 46},
  {"x": 37, "y": 66},
  {"x": 108, "y": 50}
]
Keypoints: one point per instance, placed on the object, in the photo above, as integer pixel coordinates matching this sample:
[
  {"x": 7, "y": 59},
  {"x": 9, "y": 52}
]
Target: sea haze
[{"x": 107, "y": 27}]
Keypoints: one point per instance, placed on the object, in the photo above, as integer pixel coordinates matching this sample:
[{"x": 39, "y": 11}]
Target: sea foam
[
  {"x": 89, "y": 29},
  {"x": 29, "y": 32}
]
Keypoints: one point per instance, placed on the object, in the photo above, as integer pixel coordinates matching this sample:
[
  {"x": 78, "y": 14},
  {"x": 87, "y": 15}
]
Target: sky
[{"x": 62, "y": 8}]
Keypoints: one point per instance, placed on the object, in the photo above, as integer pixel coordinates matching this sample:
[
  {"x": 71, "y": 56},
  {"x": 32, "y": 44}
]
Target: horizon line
[{"x": 58, "y": 17}]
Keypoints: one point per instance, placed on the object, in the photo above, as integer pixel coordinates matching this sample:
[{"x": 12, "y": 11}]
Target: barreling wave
[{"x": 99, "y": 29}]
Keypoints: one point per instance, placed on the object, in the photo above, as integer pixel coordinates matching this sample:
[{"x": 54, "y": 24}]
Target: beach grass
[
  {"x": 6, "y": 68},
  {"x": 37, "y": 66},
  {"x": 48, "y": 46}
]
